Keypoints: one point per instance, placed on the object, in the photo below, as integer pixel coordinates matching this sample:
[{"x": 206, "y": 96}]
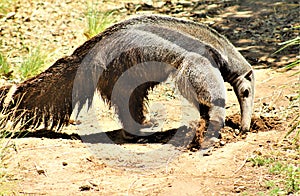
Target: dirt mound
[
  {"x": 231, "y": 132},
  {"x": 258, "y": 124}
]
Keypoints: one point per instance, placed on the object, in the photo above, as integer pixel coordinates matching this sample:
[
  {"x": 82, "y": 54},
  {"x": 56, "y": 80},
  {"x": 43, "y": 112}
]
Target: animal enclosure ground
[{"x": 56, "y": 164}]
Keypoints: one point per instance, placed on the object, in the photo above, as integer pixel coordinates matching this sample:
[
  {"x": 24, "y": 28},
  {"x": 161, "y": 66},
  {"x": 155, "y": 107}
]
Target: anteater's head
[{"x": 244, "y": 90}]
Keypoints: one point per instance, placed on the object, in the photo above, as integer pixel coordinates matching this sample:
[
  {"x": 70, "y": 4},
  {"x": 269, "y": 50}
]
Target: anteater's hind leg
[
  {"x": 131, "y": 113},
  {"x": 137, "y": 101}
]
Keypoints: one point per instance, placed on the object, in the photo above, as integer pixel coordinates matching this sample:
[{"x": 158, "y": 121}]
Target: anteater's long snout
[
  {"x": 246, "y": 105},
  {"x": 244, "y": 90}
]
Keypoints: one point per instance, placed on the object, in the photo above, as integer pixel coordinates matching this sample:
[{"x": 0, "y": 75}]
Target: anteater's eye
[{"x": 246, "y": 93}]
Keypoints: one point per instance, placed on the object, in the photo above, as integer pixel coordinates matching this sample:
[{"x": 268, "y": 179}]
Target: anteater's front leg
[
  {"x": 214, "y": 116},
  {"x": 200, "y": 80},
  {"x": 215, "y": 123}
]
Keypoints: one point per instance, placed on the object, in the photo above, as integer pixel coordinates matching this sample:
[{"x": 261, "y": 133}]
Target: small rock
[
  {"x": 236, "y": 131},
  {"x": 239, "y": 189},
  {"x": 285, "y": 29},
  {"x": 207, "y": 153},
  {"x": 64, "y": 163},
  {"x": 41, "y": 171},
  {"x": 222, "y": 143},
  {"x": 27, "y": 19},
  {"x": 257, "y": 152},
  {"x": 292, "y": 97},
  {"x": 85, "y": 188},
  {"x": 10, "y": 15},
  {"x": 74, "y": 122},
  {"x": 271, "y": 108}
]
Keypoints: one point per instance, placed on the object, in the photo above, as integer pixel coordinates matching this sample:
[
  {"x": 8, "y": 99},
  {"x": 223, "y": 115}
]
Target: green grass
[
  {"x": 98, "y": 20},
  {"x": 6, "y": 6},
  {"x": 295, "y": 125},
  {"x": 33, "y": 64},
  {"x": 293, "y": 64},
  {"x": 260, "y": 161},
  {"x": 287, "y": 178},
  {"x": 4, "y": 67},
  {"x": 292, "y": 42},
  {"x": 283, "y": 173}
]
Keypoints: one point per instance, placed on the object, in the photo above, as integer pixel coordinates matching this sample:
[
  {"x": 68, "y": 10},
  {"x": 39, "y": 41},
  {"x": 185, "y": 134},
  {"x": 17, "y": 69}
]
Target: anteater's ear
[{"x": 248, "y": 75}]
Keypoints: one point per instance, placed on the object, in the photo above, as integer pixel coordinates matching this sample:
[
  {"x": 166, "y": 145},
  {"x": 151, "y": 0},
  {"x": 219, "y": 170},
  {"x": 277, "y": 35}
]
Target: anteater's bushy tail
[{"x": 45, "y": 99}]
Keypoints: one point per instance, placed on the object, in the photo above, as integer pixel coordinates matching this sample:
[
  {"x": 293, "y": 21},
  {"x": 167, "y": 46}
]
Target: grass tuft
[
  {"x": 6, "y": 6},
  {"x": 288, "y": 178},
  {"x": 295, "y": 126},
  {"x": 97, "y": 20},
  {"x": 283, "y": 174},
  {"x": 33, "y": 64},
  {"x": 292, "y": 42},
  {"x": 260, "y": 161},
  {"x": 4, "y": 67}
]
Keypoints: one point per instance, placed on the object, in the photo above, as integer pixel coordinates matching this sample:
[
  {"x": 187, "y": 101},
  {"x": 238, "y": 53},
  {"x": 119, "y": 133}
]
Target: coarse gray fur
[{"x": 199, "y": 58}]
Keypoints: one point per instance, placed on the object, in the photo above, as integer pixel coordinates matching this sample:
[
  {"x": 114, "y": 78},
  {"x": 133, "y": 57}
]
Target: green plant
[
  {"x": 295, "y": 125},
  {"x": 291, "y": 42},
  {"x": 260, "y": 161},
  {"x": 33, "y": 64},
  {"x": 276, "y": 168},
  {"x": 283, "y": 172},
  {"x": 97, "y": 21},
  {"x": 275, "y": 191},
  {"x": 6, "y": 6},
  {"x": 4, "y": 66},
  {"x": 289, "y": 179},
  {"x": 293, "y": 178},
  {"x": 293, "y": 64}
]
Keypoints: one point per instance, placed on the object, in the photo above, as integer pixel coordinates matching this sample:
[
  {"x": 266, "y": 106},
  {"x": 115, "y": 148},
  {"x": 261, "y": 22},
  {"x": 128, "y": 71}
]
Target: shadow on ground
[{"x": 185, "y": 136}]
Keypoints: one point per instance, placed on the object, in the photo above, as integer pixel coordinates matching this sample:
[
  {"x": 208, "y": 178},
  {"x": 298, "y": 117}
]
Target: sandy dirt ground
[{"x": 46, "y": 166}]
